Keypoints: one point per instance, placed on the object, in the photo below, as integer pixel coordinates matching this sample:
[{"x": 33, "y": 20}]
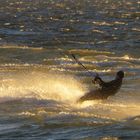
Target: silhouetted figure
[{"x": 106, "y": 88}]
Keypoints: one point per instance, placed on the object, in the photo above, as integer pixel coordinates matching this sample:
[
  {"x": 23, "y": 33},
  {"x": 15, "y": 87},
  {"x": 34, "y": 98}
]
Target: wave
[{"x": 20, "y": 47}]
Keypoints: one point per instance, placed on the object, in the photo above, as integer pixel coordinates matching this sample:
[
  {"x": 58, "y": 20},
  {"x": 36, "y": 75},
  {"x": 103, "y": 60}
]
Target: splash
[{"x": 41, "y": 86}]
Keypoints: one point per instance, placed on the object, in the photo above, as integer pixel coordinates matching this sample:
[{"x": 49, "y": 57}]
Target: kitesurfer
[{"x": 105, "y": 89}]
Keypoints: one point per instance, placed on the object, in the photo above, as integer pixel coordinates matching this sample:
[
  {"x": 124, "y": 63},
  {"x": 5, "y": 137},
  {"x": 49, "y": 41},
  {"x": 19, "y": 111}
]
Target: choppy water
[{"x": 40, "y": 82}]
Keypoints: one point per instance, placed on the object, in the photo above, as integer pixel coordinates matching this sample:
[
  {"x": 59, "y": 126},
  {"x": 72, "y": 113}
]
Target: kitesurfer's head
[{"x": 120, "y": 74}]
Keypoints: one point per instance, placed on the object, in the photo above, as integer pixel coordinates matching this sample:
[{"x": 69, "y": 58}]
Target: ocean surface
[{"x": 40, "y": 82}]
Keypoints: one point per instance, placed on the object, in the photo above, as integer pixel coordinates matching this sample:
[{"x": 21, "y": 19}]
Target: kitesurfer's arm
[
  {"x": 113, "y": 85},
  {"x": 98, "y": 80}
]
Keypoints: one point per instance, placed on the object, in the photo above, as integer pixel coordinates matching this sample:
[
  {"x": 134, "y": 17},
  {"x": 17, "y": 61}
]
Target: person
[{"x": 105, "y": 89}]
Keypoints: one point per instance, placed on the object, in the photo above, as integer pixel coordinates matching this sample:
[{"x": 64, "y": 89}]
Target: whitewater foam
[{"x": 41, "y": 86}]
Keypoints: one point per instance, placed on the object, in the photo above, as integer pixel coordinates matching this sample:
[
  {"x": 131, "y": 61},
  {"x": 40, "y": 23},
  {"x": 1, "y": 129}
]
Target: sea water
[{"x": 40, "y": 82}]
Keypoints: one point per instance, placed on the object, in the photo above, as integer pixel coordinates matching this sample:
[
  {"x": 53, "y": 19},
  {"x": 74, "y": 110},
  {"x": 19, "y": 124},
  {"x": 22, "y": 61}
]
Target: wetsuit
[{"x": 106, "y": 88}]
